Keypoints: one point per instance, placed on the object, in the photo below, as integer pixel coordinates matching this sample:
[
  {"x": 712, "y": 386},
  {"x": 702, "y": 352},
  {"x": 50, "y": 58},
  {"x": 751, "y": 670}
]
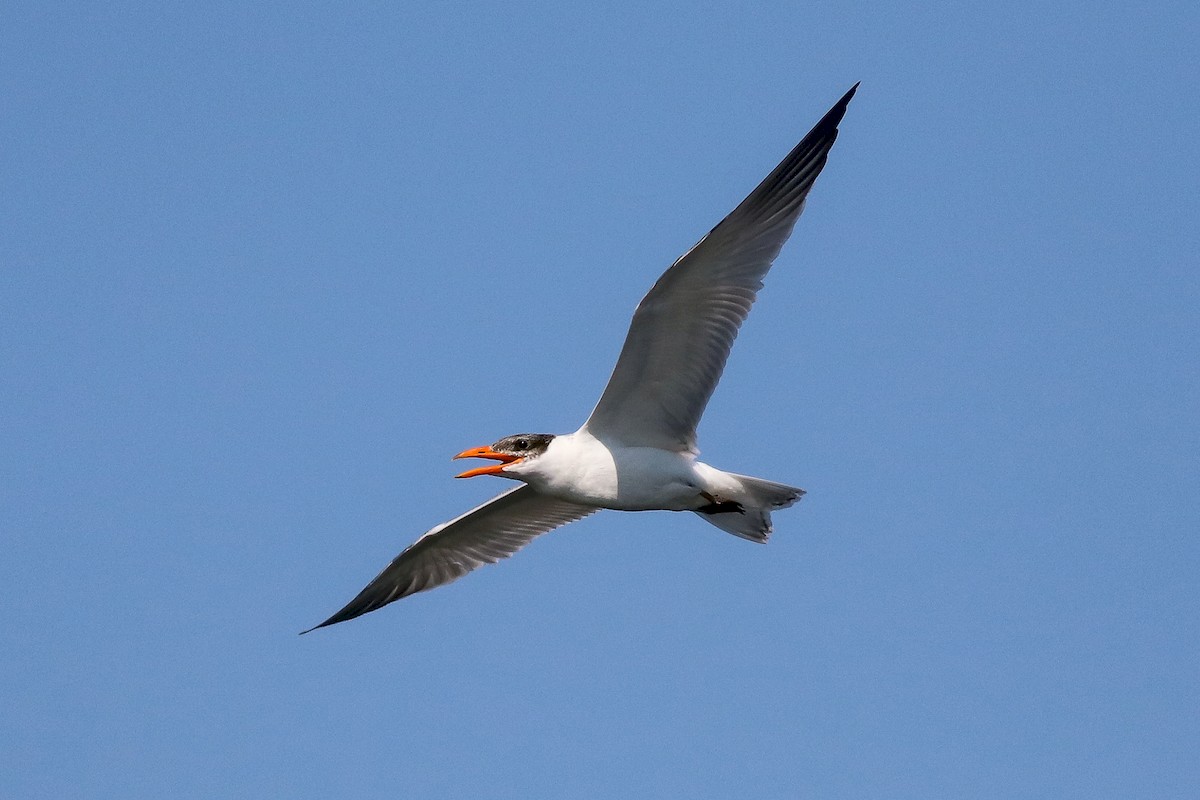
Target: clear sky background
[{"x": 264, "y": 270}]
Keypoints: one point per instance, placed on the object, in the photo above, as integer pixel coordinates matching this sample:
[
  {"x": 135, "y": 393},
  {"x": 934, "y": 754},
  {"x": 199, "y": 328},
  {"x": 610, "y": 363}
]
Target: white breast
[{"x": 581, "y": 469}]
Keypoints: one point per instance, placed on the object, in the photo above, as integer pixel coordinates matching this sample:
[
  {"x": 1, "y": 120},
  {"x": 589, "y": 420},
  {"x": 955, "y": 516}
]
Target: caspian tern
[{"x": 637, "y": 450}]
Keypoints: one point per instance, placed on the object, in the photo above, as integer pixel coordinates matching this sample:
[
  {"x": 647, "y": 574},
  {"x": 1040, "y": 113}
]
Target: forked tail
[{"x": 748, "y": 513}]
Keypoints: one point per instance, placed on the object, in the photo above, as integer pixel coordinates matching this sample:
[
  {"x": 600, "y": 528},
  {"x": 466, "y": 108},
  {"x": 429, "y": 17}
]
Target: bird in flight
[{"x": 637, "y": 451}]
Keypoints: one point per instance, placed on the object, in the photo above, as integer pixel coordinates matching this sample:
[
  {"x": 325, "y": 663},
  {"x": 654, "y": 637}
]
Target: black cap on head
[{"x": 524, "y": 444}]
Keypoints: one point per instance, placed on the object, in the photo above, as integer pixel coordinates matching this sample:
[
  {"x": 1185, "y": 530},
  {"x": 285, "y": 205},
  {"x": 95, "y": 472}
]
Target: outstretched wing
[
  {"x": 683, "y": 329},
  {"x": 484, "y": 535}
]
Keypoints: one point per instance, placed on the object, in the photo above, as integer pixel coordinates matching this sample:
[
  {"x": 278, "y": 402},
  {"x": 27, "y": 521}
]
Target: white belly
[{"x": 581, "y": 469}]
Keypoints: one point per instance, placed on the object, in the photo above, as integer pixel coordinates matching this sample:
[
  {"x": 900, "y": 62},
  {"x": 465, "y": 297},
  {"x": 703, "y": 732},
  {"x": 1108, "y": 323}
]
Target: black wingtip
[
  {"x": 355, "y": 608},
  {"x": 834, "y": 116},
  {"x": 329, "y": 621}
]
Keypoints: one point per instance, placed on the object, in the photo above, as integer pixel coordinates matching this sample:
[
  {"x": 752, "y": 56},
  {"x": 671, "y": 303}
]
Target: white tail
[{"x": 756, "y": 500}]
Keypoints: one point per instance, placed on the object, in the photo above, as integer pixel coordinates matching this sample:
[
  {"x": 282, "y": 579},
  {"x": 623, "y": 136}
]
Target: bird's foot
[{"x": 716, "y": 505}]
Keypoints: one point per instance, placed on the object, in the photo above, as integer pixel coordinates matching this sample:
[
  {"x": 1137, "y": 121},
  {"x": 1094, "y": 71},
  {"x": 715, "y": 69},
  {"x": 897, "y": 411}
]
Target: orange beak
[{"x": 486, "y": 452}]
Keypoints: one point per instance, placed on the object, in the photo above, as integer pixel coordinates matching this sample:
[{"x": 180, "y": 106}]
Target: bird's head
[{"x": 508, "y": 451}]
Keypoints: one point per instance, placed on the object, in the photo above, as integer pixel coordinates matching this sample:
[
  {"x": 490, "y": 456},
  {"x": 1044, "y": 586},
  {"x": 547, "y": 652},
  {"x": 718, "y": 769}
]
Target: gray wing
[
  {"x": 683, "y": 329},
  {"x": 484, "y": 535}
]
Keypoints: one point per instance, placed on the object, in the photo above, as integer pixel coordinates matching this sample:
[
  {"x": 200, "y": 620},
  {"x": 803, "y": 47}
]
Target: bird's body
[
  {"x": 579, "y": 468},
  {"x": 637, "y": 451}
]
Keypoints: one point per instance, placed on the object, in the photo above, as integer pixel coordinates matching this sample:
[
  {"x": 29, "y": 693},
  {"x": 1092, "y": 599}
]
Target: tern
[{"x": 637, "y": 451}]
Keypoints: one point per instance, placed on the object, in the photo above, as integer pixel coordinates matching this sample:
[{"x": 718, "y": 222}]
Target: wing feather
[
  {"x": 484, "y": 535},
  {"x": 683, "y": 329}
]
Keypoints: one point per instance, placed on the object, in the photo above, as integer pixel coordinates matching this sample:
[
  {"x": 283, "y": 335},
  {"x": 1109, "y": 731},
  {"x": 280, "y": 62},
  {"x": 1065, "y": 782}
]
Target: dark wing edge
[
  {"x": 483, "y": 535},
  {"x": 779, "y": 194},
  {"x": 703, "y": 299}
]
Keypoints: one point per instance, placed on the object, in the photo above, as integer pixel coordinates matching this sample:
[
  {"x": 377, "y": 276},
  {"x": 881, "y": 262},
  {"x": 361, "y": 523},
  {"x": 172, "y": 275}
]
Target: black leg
[{"x": 725, "y": 507}]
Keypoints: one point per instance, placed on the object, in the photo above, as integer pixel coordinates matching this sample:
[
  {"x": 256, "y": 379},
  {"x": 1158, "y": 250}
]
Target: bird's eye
[{"x": 521, "y": 444}]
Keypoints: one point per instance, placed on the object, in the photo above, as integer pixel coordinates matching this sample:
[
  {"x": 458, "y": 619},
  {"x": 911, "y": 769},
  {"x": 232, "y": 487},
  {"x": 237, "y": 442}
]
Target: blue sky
[{"x": 264, "y": 270}]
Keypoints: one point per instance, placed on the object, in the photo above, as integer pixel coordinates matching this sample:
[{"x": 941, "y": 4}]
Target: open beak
[{"x": 486, "y": 452}]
